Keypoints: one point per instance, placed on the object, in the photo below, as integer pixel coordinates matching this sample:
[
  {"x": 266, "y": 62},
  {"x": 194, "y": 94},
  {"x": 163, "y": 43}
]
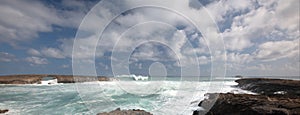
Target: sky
[{"x": 162, "y": 38}]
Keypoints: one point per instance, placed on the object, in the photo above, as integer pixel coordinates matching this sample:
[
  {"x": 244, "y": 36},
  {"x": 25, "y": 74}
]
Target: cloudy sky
[{"x": 250, "y": 37}]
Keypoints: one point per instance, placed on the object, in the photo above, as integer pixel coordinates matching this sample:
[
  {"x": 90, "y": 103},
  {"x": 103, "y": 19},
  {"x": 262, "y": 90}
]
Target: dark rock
[
  {"x": 239, "y": 76},
  {"x": 274, "y": 96},
  {"x": 3, "y": 111},
  {"x": 271, "y": 87},
  {"x": 118, "y": 111},
  {"x": 248, "y": 104}
]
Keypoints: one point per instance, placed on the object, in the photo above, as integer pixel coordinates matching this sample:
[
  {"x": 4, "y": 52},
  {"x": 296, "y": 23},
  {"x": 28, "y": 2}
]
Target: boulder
[
  {"x": 118, "y": 111},
  {"x": 3, "y": 111}
]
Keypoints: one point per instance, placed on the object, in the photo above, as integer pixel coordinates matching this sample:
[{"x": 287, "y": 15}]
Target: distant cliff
[{"x": 36, "y": 78}]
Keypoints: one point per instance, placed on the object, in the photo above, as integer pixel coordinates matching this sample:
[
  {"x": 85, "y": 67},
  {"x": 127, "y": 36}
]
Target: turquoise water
[
  {"x": 158, "y": 97},
  {"x": 33, "y": 99}
]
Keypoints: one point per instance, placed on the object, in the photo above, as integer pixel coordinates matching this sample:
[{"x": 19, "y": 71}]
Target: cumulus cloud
[
  {"x": 252, "y": 31},
  {"x": 153, "y": 52},
  {"x": 271, "y": 17},
  {"x": 270, "y": 51},
  {"x": 23, "y": 20},
  {"x": 36, "y": 60},
  {"x": 52, "y": 52},
  {"x": 238, "y": 58},
  {"x": 33, "y": 52}
]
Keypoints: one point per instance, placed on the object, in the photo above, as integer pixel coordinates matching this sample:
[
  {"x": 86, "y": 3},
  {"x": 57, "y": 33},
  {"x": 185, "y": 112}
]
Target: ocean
[{"x": 158, "y": 96}]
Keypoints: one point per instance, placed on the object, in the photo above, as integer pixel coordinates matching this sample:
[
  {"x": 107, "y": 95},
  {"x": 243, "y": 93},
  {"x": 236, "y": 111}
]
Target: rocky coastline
[
  {"x": 273, "y": 96},
  {"x": 36, "y": 79},
  {"x": 271, "y": 87}
]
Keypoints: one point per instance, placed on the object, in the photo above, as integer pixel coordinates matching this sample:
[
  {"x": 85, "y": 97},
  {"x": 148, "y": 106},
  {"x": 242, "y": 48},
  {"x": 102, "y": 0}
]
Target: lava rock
[
  {"x": 3, "y": 111},
  {"x": 271, "y": 87},
  {"x": 274, "y": 96},
  {"x": 235, "y": 104}
]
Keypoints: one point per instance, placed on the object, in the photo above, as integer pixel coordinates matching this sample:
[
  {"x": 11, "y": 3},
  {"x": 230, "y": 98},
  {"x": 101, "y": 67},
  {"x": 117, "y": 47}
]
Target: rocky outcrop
[
  {"x": 3, "y": 111},
  {"x": 21, "y": 79},
  {"x": 274, "y": 96},
  {"x": 31, "y": 79},
  {"x": 73, "y": 79},
  {"x": 228, "y": 104},
  {"x": 271, "y": 87},
  {"x": 118, "y": 111}
]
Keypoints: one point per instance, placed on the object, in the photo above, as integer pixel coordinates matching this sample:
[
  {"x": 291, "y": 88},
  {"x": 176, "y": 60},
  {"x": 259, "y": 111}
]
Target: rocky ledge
[
  {"x": 118, "y": 111},
  {"x": 31, "y": 79},
  {"x": 3, "y": 111},
  {"x": 248, "y": 104},
  {"x": 271, "y": 87},
  {"x": 274, "y": 96}
]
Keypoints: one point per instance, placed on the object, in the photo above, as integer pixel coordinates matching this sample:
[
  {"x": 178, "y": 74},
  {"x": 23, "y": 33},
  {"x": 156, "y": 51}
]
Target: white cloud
[
  {"x": 257, "y": 30},
  {"x": 282, "y": 68},
  {"x": 36, "y": 60},
  {"x": 153, "y": 52},
  {"x": 204, "y": 60},
  {"x": 65, "y": 66},
  {"x": 7, "y": 57},
  {"x": 53, "y": 53},
  {"x": 271, "y": 51},
  {"x": 238, "y": 58},
  {"x": 34, "y": 52},
  {"x": 23, "y": 20},
  {"x": 272, "y": 17},
  {"x": 223, "y": 8}
]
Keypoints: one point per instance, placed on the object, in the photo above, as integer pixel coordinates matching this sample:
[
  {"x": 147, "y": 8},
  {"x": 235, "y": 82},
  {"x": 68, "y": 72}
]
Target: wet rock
[
  {"x": 271, "y": 87},
  {"x": 274, "y": 96},
  {"x": 3, "y": 111},
  {"x": 118, "y": 111},
  {"x": 229, "y": 103}
]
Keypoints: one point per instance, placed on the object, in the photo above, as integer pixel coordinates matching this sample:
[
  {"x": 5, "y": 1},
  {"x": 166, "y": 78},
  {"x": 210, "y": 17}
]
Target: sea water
[{"x": 168, "y": 96}]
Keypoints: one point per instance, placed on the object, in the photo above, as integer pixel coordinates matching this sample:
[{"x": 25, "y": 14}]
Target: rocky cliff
[
  {"x": 31, "y": 79},
  {"x": 236, "y": 104}
]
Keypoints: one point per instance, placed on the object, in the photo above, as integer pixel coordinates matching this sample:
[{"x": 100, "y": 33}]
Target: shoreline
[{"x": 272, "y": 96}]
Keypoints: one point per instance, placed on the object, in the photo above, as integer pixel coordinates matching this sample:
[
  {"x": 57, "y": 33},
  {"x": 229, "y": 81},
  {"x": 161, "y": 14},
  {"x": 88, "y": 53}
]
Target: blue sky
[{"x": 252, "y": 38}]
